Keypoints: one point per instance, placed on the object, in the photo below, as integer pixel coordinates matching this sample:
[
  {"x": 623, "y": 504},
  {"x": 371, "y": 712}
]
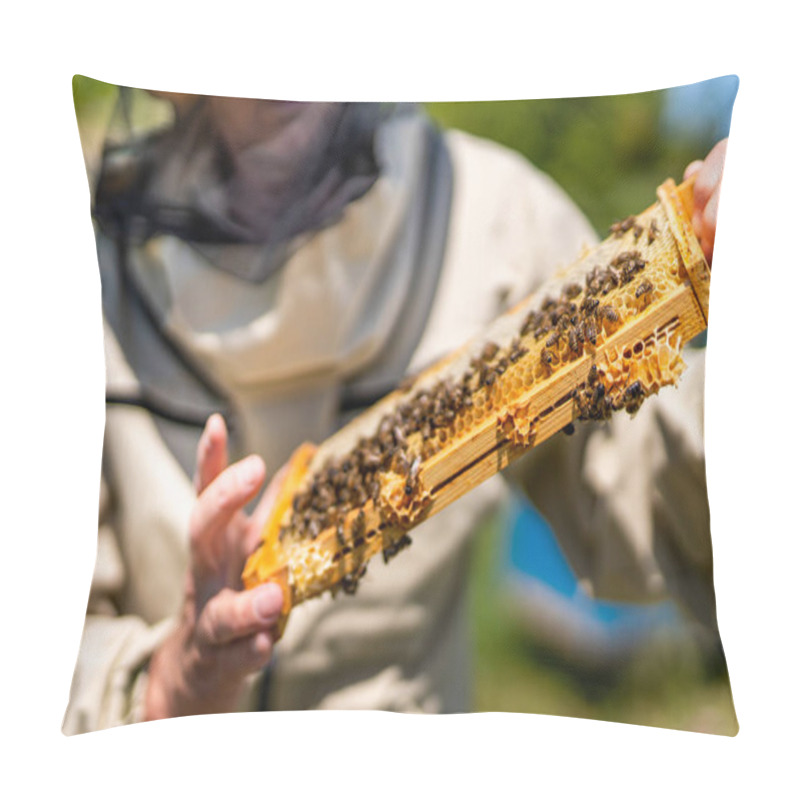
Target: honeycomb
[{"x": 598, "y": 338}]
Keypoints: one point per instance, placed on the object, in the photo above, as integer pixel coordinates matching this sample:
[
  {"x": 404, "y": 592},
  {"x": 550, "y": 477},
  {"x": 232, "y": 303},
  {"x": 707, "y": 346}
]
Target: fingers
[
  {"x": 212, "y": 452},
  {"x": 201, "y": 666},
  {"x": 708, "y": 225},
  {"x": 236, "y": 632},
  {"x": 231, "y": 616},
  {"x": 216, "y": 506},
  {"x": 708, "y": 180},
  {"x": 245, "y": 655},
  {"x": 692, "y": 169},
  {"x": 709, "y": 176}
]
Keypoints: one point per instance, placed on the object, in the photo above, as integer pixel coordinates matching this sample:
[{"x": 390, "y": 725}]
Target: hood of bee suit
[
  {"x": 348, "y": 306},
  {"x": 237, "y": 171}
]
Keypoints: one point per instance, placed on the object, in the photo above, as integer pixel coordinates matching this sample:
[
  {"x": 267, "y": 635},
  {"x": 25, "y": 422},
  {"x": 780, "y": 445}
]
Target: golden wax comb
[{"x": 597, "y": 338}]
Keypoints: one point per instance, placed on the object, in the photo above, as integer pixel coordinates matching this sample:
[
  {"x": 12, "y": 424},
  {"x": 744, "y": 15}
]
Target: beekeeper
[{"x": 269, "y": 268}]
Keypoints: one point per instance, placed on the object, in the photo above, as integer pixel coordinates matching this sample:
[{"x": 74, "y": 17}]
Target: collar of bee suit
[{"x": 350, "y": 303}]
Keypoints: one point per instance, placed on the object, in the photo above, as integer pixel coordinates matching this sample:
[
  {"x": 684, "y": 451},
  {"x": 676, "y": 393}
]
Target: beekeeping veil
[{"x": 278, "y": 257}]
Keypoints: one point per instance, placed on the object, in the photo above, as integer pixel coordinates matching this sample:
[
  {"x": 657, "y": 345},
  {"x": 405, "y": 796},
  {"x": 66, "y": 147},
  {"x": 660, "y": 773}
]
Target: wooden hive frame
[{"x": 660, "y": 310}]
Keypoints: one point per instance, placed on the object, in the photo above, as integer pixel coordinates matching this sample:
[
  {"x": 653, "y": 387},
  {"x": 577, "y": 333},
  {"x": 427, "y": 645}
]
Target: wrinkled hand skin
[
  {"x": 224, "y": 633},
  {"x": 706, "y": 195}
]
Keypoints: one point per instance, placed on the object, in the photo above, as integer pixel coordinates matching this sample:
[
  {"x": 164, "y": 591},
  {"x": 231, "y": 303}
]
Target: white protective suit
[{"x": 454, "y": 231}]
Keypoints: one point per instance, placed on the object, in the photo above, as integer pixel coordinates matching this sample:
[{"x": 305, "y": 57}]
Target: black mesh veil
[{"x": 214, "y": 170}]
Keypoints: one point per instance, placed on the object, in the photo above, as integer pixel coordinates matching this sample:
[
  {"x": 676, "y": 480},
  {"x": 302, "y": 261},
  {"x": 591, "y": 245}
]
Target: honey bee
[
  {"x": 634, "y": 391},
  {"x": 393, "y": 549},
  {"x": 552, "y": 340},
  {"x": 582, "y": 402},
  {"x": 563, "y": 323},
  {"x": 592, "y": 377},
  {"x": 589, "y": 305},
  {"x": 652, "y": 232},
  {"x": 574, "y": 342},
  {"x": 516, "y": 352},
  {"x": 340, "y": 540},
  {"x": 633, "y": 397},
  {"x": 568, "y": 429},
  {"x": 610, "y": 282},
  {"x": 546, "y": 357},
  {"x": 413, "y": 475},
  {"x": 624, "y": 257},
  {"x": 594, "y": 281},
  {"x": 533, "y": 320},
  {"x": 349, "y": 583},
  {"x": 371, "y": 460},
  {"x": 645, "y": 287},
  {"x": 572, "y": 290},
  {"x": 632, "y": 406},
  {"x": 609, "y": 313},
  {"x": 618, "y": 228},
  {"x": 489, "y": 351},
  {"x": 359, "y": 525},
  {"x": 590, "y": 330}
]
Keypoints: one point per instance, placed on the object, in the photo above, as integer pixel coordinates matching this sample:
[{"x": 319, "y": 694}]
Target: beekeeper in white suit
[{"x": 285, "y": 264}]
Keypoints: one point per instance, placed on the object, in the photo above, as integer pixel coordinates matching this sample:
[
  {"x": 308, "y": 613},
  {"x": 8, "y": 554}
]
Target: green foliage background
[{"x": 608, "y": 153}]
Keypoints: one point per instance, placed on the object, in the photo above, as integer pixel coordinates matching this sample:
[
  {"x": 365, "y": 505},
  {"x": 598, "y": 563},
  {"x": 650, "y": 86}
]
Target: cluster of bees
[
  {"x": 346, "y": 483},
  {"x": 418, "y": 427},
  {"x": 594, "y": 402},
  {"x": 631, "y": 223},
  {"x": 568, "y": 325}
]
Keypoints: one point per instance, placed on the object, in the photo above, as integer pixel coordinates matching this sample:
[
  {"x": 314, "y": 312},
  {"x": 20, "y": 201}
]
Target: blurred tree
[{"x": 609, "y": 153}]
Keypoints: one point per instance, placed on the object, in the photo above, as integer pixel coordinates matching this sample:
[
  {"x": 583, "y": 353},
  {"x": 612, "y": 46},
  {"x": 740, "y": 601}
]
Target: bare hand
[
  {"x": 706, "y": 195},
  {"x": 225, "y": 633}
]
